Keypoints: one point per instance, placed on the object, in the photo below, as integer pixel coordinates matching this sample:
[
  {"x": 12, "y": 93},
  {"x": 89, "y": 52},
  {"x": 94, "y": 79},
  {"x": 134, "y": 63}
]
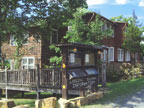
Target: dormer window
[{"x": 13, "y": 40}]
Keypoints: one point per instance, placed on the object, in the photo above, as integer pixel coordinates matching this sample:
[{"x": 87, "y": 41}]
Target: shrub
[
  {"x": 130, "y": 71},
  {"x": 113, "y": 75}
]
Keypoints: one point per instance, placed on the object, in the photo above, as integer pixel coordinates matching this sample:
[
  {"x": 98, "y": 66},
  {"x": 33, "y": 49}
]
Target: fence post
[
  {"x": 38, "y": 81},
  {"x": 6, "y": 81}
]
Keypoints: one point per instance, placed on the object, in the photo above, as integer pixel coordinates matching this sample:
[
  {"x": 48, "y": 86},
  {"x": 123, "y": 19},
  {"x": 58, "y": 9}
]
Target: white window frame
[
  {"x": 111, "y": 54},
  {"x": 105, "y": 55},
  {"x": 51, "y": 37},
  {"x": 69, "y": 28},
  {"x": 120, "y": 55},
  {"x": 87, "y": 58},
  {"x": 72, "y": 58},
  {"x": 127, "y": 56},
  {"x": 27, "y": 64},
  {"x": 26, "y": 35},
  {"x": 12, "y": 41}
]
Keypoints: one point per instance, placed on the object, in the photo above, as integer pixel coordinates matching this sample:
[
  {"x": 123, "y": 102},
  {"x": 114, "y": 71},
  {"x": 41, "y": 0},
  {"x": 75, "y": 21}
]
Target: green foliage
[
  {"x": 132, "y": 33},
  {"x": 6, "y": 63},
  {"x": 55, "y": 59},
  {"x": 121, "y": 18},
  {"x": 86, "y": 32},
  {"x": 133, "y": 38}
]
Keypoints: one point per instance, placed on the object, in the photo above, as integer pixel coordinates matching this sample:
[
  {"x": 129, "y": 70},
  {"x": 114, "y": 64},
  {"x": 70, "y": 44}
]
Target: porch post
[
  {"x": 38, "y": 81},
  {"x": 64, "y": 74},
  {"x": 6, "y": 81}
]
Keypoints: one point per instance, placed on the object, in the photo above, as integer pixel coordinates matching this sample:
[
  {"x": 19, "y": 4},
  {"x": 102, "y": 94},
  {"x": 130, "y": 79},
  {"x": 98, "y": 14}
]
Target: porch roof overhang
[{"x": 79, "y": 45}]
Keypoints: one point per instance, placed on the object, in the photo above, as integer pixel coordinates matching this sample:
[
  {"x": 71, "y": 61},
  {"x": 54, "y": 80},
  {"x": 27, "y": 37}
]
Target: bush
[
  {"x": 113, "y": 75},
  {"x": 130, "y": 71}
]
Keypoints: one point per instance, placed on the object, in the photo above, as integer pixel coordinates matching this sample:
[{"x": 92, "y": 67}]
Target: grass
[
  {"x": 29, "y": 98},
  {"x": 118, "y": 90}
]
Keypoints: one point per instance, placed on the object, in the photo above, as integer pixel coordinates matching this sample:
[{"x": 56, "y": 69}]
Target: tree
[
  {"x": 87, "y": 32},
  {"x": 132, "y": 33},
  {"x": 18, "y": 16},
  {"x": 84, "y": 32}
]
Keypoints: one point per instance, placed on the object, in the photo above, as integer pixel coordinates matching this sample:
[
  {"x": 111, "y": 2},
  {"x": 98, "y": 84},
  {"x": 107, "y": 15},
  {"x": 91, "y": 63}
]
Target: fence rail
[{"x": 48, "y": 78}]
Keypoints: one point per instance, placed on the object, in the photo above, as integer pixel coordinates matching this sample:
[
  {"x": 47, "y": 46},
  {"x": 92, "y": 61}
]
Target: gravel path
[{"x": 134, "y": 101}]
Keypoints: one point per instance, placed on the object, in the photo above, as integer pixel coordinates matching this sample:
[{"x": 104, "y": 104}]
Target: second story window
[
  {"x": 104, "y": 27},
  {"x": 54, "y": 37},
  {"x": 12, "y": 41},
  {"x": 112, "y": 28}
]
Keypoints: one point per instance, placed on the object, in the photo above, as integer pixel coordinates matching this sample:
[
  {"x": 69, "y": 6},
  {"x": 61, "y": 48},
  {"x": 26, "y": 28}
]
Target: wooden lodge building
[{"x": 38, "y": 52}]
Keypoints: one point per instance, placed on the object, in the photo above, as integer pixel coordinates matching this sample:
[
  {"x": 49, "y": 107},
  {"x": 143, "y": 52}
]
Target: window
[
  {"x": 127, "y": 56},
  {"x": 136, "y": 57},
  {"x": 12, "y": 41},
  {"x": 120, "y": 54},
  {"x": 111, "y": 27},
  {"x": 111, "y": 54},
  {"x": 26, "y": 36},
  {"x": 104, "y": 27},
  {"x": 54, "y": 37},
  {"x": 28, "y": 63},
  {"x": 105, "y": 55},
  {"x": 89, "y": 59},
  {"x": 69, "y": 28},
  {"x": 74, "y": 59}
]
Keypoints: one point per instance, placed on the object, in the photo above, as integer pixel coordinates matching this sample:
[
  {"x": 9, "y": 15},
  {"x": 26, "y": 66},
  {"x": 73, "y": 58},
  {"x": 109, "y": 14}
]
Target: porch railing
[{"x": 48, "y": 78}]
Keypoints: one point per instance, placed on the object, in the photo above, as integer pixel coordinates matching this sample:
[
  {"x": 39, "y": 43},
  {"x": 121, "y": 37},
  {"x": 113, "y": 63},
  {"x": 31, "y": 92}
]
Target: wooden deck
[{"x": 39, "y": 80}]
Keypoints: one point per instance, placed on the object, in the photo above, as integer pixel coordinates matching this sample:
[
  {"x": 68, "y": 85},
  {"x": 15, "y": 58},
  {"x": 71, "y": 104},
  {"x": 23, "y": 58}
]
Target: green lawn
[
  {"x": 118, "y": 90},
  {"x": 29, "y": 98}
]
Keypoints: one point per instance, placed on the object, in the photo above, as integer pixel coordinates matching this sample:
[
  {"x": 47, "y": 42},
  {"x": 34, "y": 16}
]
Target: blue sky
[{"x": 110, "y": 8}]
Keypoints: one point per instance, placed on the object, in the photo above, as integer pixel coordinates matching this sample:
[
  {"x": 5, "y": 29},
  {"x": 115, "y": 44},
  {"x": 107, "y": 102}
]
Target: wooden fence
[{"x": 43, "y": 78}]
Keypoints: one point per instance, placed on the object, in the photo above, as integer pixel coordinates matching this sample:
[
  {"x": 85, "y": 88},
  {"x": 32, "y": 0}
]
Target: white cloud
[
  {"x": 141, "y": 3},
  {"x": 121, "y": 2},
  {"x": 96, "y": 2},
  {"x": 140, "y": 17}
]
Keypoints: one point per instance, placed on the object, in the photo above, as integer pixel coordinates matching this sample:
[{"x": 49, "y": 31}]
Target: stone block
[
  {"x": 63, "y": 103},
  {"x": 94, "y": 96},
  {"x": 21, "y": 106},
  {"x": 6, "y": 104},
  {"x": 46, "y": 103},
  {"x": 79, "y": 101}
]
